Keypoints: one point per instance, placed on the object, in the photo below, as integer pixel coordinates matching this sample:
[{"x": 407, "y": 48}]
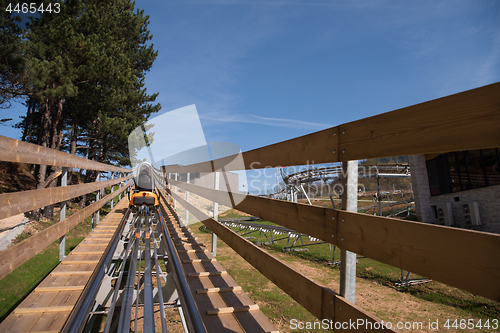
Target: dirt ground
[{"x": 9, "y": 224}]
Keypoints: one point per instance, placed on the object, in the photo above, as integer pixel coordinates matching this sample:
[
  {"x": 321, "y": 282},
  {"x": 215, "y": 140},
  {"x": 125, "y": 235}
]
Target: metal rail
[
  {"x": 128, "y": 291},
  {"x": 158, "y": 282},
  {"x": 117, "y": 287},
  {"x": 149, "y": 322},
  {"x": 193, "y": 318},
  {"x": 78, "y": 317}
]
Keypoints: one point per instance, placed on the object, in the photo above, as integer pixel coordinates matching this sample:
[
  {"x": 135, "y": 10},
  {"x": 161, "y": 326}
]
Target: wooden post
[{"x": 350, "y": 204}]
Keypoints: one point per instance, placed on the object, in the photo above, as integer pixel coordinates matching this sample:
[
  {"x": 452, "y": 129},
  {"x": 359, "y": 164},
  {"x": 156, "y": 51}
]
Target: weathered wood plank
[
  {"x": 58, "y": 288},
  {"x": 71, "y": 272},
  {"x": 232, "y": 309},
  {"x": 206, "y": 274},
  {"x": 318, "y": 147},
  {"x": 437, "y": 252},
  {"x": 305, "y": 291},
  {"x": 44, "y": 309},
  {"x": 51, "y": 302},
  {"x": 218, "y": 290},
  {"x": 14, "y": 256},
  {"x": 79, "y": 262},
  {"x": 228, "y": 293},
  {"x": 463, "y": 121},
  {"x": 19, "y": 202},
  {"x": 12, "y": 150},
  {"x": 403, "y": 244},
  {"x": 314, "y": 221}
]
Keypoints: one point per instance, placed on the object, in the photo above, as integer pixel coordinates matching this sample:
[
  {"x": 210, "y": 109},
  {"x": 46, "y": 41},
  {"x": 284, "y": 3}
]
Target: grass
[{"x": 18, "y": 284}]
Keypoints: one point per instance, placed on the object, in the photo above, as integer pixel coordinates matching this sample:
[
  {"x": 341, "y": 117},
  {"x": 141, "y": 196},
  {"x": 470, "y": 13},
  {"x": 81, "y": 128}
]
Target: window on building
[{"x": 463, "y": 170}]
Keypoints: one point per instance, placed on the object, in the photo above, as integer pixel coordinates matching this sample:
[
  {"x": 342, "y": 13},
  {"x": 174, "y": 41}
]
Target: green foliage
[
  {"x": 86, "y": 69},
  {"x": 18, "y": 284},
  {"x": 12, "y": 62}
]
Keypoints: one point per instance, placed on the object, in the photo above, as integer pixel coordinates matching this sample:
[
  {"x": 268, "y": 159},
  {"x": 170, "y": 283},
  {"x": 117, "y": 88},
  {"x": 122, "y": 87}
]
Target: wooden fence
[
  {"x": 461, "y": 258},
  {"x": 24, "y": 201},
  {"x": 465, "y": 259}
]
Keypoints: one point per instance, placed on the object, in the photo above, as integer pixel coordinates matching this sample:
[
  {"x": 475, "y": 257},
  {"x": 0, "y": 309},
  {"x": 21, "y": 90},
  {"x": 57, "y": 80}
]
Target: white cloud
[
  {"x": 254, "y": 119},
  {"x": 490, "y": 69}
]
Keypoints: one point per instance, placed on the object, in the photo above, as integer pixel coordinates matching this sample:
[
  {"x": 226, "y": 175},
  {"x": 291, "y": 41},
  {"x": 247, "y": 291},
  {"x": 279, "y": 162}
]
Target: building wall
[
  {"x": 487, "y": 198},
  {"x": 420, "y": 187}
]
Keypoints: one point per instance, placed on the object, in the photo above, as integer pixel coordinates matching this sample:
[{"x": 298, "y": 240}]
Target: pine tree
[
  {"x": 12, "y": 65},
  {"x": 115, "y": 88},
  {"x": 86, "y": 68}
]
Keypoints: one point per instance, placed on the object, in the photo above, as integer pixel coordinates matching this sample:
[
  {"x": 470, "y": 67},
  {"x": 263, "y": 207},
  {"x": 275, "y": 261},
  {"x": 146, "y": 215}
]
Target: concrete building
[{"x": 458, "y": 189}]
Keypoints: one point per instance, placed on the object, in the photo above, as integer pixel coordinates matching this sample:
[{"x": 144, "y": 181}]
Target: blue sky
[{"x": 261, "y": 72}]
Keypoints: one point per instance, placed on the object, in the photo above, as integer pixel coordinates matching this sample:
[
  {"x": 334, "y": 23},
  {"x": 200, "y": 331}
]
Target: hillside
[{"x": 16, "y": 177}]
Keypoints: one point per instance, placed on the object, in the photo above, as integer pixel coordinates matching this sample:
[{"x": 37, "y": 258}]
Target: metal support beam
[
  {"x": 350, "y": 204},
  {"x": 169, "y": 187},
  {"x": 120, "y": 195},
  {"x": 216, "y": 216},
  {"x": 112, "y": 190},
  {"x": 187, "y": 199},
  {"x": 98, "y": 196},
  {"x": 175, "y": 191},
  {"x": 62, "y": 215}
]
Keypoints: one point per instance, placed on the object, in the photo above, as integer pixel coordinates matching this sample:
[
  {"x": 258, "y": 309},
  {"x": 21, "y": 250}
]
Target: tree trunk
[
  {"x": 56, "y": 135},
  {"x": 28, "y": 123},
  {"x": 72, "y": 150},
  {"x": 48, "y": 211},
  {"x": 43, "y": 141}
]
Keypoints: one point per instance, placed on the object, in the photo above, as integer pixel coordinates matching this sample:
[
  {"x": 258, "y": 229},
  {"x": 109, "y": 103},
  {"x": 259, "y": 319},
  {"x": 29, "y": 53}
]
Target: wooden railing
[
  {"x": 465, "y": 259},
  {"x": 24, "y": 201},
  {"x": 469, "y": 120}
]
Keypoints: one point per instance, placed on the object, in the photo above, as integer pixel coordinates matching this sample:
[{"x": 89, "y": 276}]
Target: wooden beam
[
  {"x": 14, "y": 256},
  {"x": 66, "y": 308},
  {"x": 312, "y": 220},
  {"x": 218, "y": 290},
  {"x": 190, "y": 261},
  {"x": 463, "y": 121},
  {"x": 12, "y": 150},
  {"x": 58, "y": 288},
  {"x": 437, "y": 252},
  {"x": 204, "y": 274},
  {"x": 57, "y": 273},
  {"x": 232, "y": 309},
  {"x": 392, "y": 241},
  {"x": 79, "y": 262},
  {"x": 24, "y": 201},
  {"x": 318, "y": 300},
  {"x": 318, "y": 147}
]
